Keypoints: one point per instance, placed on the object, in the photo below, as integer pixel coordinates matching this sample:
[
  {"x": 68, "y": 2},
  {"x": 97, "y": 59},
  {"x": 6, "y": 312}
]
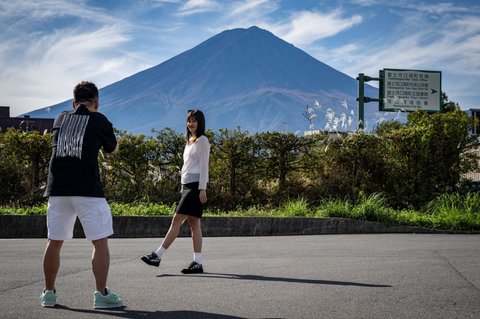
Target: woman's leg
[
  {"x": 174, "y": 229},
  {"x": 154, "y": 258},
  {"x": 196, "y": 228},
  {"x": 196, "y": 266}
]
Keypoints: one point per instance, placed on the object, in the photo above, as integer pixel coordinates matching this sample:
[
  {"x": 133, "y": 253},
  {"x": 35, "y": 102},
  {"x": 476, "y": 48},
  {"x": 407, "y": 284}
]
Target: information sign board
[{"x": 410, "y": 90}]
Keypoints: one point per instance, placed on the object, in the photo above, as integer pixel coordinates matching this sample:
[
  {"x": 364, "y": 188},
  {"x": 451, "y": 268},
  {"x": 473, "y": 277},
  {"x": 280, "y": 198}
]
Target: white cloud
[
  {"x": 366, "y": 2},
  {"x": 41, "y": 66},
  {"x": 451, "y": 46},
  {"x": 24, "y": 11},
  {"x": 455, "y": 49},
  {"x": 244, "y": 14},
  {"x": 251, "y": 6},
  {"x": 51, "y": 67},
  {"x": 197, "y": 6},
  {"x": 440, "y": 8},
  {"x": 307, "y": 27}
]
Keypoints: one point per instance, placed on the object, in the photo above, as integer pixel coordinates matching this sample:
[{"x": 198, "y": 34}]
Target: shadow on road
[
  {"x": 266, "y": 278},
  {"x": 134, "y": 314}
]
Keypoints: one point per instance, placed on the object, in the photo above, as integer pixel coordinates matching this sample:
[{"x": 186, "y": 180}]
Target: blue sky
[{"x": 47, "y": 46}]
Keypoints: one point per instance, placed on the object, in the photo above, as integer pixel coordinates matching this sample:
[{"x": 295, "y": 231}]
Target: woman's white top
[{"x": 195, "y": 162}]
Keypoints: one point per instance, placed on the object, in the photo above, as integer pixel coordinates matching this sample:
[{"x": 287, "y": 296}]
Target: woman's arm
[
  {"x": 203, "y": 152},
  {"x": 204, "y": 157}
]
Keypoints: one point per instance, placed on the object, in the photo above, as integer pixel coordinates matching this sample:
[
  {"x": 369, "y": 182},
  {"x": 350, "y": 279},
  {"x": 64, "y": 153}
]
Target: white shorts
[{"x": 93, "y": 212}]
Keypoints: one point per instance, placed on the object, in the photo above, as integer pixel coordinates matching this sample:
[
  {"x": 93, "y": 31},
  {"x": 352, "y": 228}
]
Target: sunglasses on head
[{"x": 191, "y": 111}]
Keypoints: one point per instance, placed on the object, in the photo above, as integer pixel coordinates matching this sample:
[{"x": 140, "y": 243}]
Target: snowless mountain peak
[{"x": 246, "y": 78}]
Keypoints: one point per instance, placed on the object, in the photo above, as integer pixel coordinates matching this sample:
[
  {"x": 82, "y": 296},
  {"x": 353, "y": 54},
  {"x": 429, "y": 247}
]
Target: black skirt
[{"x": 190, "y": 203}]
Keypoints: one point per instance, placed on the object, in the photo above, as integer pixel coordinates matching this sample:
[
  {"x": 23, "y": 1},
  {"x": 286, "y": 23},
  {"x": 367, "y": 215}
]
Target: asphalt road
[{"x": 329, "y": 276}]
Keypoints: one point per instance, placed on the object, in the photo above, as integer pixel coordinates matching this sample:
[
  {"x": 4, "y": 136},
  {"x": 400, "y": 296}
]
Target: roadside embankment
[{"x": 34, "y": 226}]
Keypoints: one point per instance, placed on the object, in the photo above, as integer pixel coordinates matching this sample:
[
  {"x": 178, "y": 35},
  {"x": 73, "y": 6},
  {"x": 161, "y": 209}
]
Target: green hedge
[{"x": 410, "y": 164}]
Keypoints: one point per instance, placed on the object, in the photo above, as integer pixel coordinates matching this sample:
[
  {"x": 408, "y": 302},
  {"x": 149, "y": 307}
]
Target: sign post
[
  {"x": 362, "y": 99},
  {"x": 402, "y": 90}
]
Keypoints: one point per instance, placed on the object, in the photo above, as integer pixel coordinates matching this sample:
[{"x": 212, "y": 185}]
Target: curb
[{"x": 34, "y": 226}]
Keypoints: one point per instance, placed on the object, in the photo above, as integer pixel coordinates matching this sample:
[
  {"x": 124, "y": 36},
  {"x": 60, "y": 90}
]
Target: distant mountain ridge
[{"x": 246, "y": 78}]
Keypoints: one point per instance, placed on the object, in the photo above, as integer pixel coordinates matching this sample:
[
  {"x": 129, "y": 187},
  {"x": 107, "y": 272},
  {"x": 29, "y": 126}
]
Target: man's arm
[{"x": 115, "y": 151}]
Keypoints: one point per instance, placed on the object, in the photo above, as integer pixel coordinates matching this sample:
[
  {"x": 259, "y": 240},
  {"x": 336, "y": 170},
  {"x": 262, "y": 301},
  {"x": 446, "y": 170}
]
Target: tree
[
  {"x": 354, "y": 165},
  {"x": 281, "y": 154},
  {"x": 428, "y": 156},
  {"x": 170, "y": 146},
  {"x": 129, "y": 173},
  {"x": 446, "y": 105},
  {"x": 24, "y": 160},
  {"x": 235, "y": 163}
]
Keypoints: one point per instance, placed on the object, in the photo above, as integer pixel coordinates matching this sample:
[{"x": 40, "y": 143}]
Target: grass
[
  {"x": 450, "y": 211},
  {"x": 456, "y": 211},
  {"x": 21, "y": 210},
  {"x": 141, "y": 209}
]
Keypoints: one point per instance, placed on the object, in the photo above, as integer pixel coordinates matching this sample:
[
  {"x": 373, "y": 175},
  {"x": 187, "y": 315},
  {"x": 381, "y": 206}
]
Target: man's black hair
[{"x": 85, "y": 91}]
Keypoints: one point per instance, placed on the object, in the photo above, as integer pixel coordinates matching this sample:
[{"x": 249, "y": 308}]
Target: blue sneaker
[
  {"x": 48, "y": 298},
  {"x": 110, "y": 300}
]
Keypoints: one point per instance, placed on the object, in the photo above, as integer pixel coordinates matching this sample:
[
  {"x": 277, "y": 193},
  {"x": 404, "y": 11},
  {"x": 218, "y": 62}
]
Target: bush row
[{"x": 409, "y": 164}]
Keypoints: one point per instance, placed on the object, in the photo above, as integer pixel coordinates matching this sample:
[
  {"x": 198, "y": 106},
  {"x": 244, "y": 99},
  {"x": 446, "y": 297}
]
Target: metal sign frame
[{"x": 410, "y": 90}]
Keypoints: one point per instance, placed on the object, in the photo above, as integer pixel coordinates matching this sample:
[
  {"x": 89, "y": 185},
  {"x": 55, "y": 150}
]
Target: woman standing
[{"x": 194, "y": 181}]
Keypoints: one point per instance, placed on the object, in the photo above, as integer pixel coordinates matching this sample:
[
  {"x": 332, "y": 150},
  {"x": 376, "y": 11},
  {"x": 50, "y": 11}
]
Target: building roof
[{"x": 25, "y": 123}]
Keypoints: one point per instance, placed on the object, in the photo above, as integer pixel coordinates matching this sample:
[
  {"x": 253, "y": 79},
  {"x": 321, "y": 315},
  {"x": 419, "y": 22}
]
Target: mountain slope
[{"x": 242, "y": 77}]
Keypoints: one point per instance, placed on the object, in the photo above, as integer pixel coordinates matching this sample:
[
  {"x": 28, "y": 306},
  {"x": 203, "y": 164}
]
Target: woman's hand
[{"x": 203, "y": 196}]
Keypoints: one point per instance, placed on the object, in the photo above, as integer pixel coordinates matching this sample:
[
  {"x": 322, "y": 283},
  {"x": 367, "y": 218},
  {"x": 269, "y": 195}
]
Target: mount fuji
[{"x": 246, "y": 78}]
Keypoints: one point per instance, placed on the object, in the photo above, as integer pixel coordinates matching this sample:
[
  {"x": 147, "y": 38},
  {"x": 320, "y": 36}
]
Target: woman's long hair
[{"x": 200, "y": 118}]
